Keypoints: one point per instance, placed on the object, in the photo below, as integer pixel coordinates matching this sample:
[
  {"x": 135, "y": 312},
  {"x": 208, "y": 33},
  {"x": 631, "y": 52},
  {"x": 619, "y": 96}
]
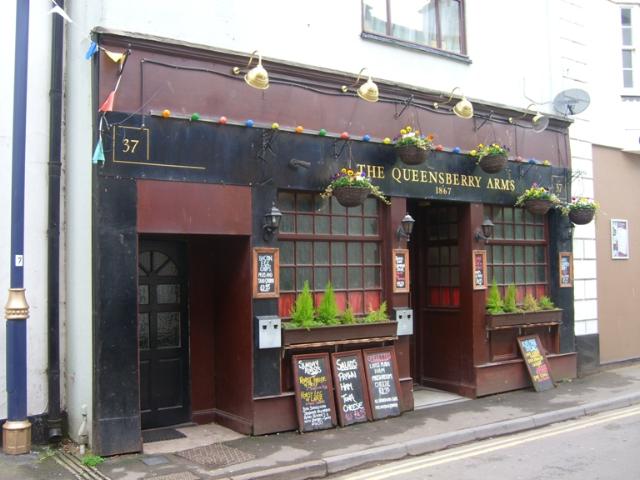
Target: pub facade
[{"x": 194, "y": 162}]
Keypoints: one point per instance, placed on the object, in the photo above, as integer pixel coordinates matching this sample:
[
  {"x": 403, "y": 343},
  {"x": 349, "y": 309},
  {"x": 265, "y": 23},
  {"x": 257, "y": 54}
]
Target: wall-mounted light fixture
[
  {"x": 367, "y": 91},
  {"x": 257, "y": 77},
  {"x": 463, "y": 108},
  {"x": 568, "y": 232},
  {"x": 539, "y": 122},
  {"x": 271, "y": 222},
  {"x": 486, "y": 232},
  {"x": 405, "y": 228}
]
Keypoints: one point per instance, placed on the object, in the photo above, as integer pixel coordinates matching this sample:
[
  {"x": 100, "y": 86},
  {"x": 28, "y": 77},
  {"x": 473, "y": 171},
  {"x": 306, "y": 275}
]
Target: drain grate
[
  {"x": 216, "y": 454},
  {"x": 178, "y": 476}
]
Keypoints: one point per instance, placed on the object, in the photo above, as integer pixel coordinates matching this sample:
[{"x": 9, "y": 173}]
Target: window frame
[
  {"x": 330, "y": 239},
  {"x": 388, "y": 38}
]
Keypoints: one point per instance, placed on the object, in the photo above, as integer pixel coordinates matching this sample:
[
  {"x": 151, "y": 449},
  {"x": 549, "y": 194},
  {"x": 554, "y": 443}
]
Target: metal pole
[{"x": 16, "y": 431}]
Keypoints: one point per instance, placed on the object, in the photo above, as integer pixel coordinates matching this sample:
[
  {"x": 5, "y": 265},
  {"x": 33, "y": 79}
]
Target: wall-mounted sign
[
  {"x": 400, "y": 263},
  {"x": 351, "y": 387},
  {"x": 565, "y": 266},
  {"x": 479, "y": 258},
  {"x": 536, "y": 362},
  {"x": 130, "y": 144},
  {"x": 382, "y": 378},
  {"x": 266, "y": 272},
  {"x": 619, "y": 239},
  {"x": 314, "y": 391}
]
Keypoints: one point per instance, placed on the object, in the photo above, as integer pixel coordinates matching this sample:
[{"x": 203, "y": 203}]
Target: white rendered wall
[
  {"x": 36, "y": 170},
  {"x": 78, "y": 131},
  {"x": 327, "y": 34}
]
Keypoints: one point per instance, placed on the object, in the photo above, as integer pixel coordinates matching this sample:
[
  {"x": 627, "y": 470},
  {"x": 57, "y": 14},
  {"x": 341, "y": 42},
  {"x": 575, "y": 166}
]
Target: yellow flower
[
  {"x": 481, "y": 145},
  {"x": 403, "y": 132},
  {"x": 344, "y": 170},
  {"x": 350, "y": 172},
  {"x": 408, "y": 128},
  {"x": 473, "y": 153}
]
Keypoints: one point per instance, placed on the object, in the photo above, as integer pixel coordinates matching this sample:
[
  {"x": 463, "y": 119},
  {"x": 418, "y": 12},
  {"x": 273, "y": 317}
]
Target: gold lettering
[
  {"x": 476, "y": 179},
  {"x": 380, "y": 172},
  {"x": 360, "y": 167},
  {"x": 440, "y": 177},
  {"x": 432, "y": 177},
  {"x": 414, "y": 175},
  {"x": 449, "y": 179},
  {"x": 371, "y": 171},
  {"x": 423, "y": 176},
  {"x": 490, "y": 183},
  {"x": 455, "y": 179},
  {"x": 405, "y": 175},
  {"x": 512, "y": 185},
  {"x": 396, "y": 174},
  {"x": 464, "y": 181}
]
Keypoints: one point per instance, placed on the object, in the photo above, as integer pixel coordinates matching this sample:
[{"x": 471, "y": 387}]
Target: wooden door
[{"x": 163, "y": 334}]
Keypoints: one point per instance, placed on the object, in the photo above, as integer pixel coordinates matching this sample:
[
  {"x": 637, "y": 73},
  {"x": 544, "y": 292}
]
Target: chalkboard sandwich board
[
  {"x": 314, "y": 392},
  {"x": 382, "y": 379},
  {"x": 351, "y": 387},
  {"x": 266, "y": 272},
  {"x": 536, "y": 362}
]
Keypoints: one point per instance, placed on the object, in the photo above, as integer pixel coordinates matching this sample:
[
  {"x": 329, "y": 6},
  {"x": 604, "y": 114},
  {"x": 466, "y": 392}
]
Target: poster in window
[
  {"x": 400, "y": 270},
  {"x": 565, "y": 264},
  {"x": 479, "y": 269},
  {"x": 266, "y": 273},
  {"x": 619, "y": 239}
]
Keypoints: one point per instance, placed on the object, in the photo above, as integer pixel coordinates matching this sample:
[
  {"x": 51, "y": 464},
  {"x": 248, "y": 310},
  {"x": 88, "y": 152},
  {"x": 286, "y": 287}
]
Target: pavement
[{"x": 291, "y": 455}]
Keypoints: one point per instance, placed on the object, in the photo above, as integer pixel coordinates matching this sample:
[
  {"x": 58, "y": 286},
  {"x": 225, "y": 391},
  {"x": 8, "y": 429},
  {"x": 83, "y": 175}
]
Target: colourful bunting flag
[
  {"x": 107, "y": 105},
  {"x": 93, "y": 48},
  {"x": 98, "y": 153},
  {"x": 61, "y": 12},
  {"x": 114, "y": 56}
]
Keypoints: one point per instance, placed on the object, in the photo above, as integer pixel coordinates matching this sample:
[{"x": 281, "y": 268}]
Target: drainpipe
[{"x": 54, "y": 422}]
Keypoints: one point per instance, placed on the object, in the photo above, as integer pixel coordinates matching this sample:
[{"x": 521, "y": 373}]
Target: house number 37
[{"x": 129, "y": 145}]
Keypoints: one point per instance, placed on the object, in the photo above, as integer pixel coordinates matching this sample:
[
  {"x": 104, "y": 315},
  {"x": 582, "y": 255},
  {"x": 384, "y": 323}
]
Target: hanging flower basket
[
  {"x": 349, "y": 196},
  {"x": 411, "y": 155},
  {"x": 581, "y": 216},
  {"x": 538, "y": 206},
  {"x": 493, "y": 163},
  {"x": 411, "y": 147}
]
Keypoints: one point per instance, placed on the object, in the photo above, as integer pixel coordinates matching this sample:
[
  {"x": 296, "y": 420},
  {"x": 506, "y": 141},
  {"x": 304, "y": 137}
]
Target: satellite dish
[{"x": 572, "y": 101}]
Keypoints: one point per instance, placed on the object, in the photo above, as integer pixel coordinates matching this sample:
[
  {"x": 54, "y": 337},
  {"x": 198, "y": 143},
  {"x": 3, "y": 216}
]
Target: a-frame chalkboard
[
  {"x": 314, "y": 391},
  {"x": 536, "y": 362},
  {"x": 351, "y": 387},
  {"x": 383, "y": 381}
]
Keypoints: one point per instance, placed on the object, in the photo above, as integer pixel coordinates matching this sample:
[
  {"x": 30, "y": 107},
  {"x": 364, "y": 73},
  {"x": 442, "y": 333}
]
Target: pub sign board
[
  {"x": 400, "y": 270},
  {"x": 536, "y": 362},
  {"x": 266, "y": 272},
  {"x": 351, "y": 387},
  {"x": 383, "y": 381},
  {"x": 314, "y": 392}
]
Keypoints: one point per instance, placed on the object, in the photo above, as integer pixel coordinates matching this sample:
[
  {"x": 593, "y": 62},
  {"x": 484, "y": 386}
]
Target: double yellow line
[{"x": 460, "y": 453}]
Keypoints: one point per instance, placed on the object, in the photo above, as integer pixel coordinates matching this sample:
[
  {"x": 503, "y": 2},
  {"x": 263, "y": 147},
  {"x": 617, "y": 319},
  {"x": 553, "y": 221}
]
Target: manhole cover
[
  {"x": 178, "y": 476},
  {"x": 216, "y": 454}
]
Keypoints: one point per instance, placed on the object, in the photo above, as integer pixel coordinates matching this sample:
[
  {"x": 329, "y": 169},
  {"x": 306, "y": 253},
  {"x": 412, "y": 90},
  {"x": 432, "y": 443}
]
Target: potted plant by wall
[
  {"x": 491, "y": 158},
  {"x": 537, "y": 200},
  {"x": 351, "y": 188},
  {"x": 327, "y": 325},
  {"x": 413, "y": 148},
  {"x": 505, "y": 312},
  {"x": 581, "y": 210}
]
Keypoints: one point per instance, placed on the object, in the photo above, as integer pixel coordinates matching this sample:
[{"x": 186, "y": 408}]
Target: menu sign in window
[
  {"x": 536, "y": 362},
  {"x": 266, "y": 273},
  {"x": 400, "y": 270},
  {"x": 314, "y": 391},
  {"x": 351, "y": 387},
  {"x": 382, "y": 379}
]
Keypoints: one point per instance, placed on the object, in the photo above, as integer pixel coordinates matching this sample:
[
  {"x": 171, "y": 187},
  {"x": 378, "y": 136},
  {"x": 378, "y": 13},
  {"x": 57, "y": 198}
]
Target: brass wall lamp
[
  {"x": 539, "y": 122},
  {"x": 367, "y": 91},
  {"x": 463, "y": 108},
  {"x": 257, "y": 77}
]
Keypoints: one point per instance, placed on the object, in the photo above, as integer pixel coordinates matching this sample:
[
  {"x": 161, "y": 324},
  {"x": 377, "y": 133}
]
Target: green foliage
[
  {"x": 537, "y": 193},
  {"x": 327, "y": 313},
  {"x": 510, "y": 305},
  {"x": 495, "y": 304},
  {"x": 409, "y": 136},
  {"x": 302, "y": 312},
  {"x": 530, "y": 304},
  {"x": 546, "y": 303},
  {"x": 91, "y": 460},
  {"x": 348, "y": 318},
  {"x": 379, "y": 315}
]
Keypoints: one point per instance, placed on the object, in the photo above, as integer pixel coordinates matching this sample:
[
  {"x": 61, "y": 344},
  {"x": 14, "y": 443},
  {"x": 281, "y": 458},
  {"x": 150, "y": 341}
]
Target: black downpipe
[{"x": 54, "y": 422}]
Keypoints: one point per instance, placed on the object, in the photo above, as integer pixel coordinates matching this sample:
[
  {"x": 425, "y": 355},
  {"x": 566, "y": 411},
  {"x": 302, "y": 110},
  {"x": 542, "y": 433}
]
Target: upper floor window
[
  {"x": 627, "y": 48},
  {"x": 433, "y": 23}
]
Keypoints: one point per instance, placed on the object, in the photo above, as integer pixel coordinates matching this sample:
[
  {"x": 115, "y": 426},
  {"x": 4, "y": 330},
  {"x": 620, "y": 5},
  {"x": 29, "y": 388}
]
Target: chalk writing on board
[
  {"x": 350, "y": 387},
  {"x": 381, "y": 373},
  {"x": 313, "y": 392},
  {"x": 266, "y": 266},
  {"x": 536, "y": 363}
]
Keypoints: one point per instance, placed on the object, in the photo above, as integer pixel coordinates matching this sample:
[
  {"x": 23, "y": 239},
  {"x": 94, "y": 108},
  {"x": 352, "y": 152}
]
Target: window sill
[{"x": 415, "y": 46}]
